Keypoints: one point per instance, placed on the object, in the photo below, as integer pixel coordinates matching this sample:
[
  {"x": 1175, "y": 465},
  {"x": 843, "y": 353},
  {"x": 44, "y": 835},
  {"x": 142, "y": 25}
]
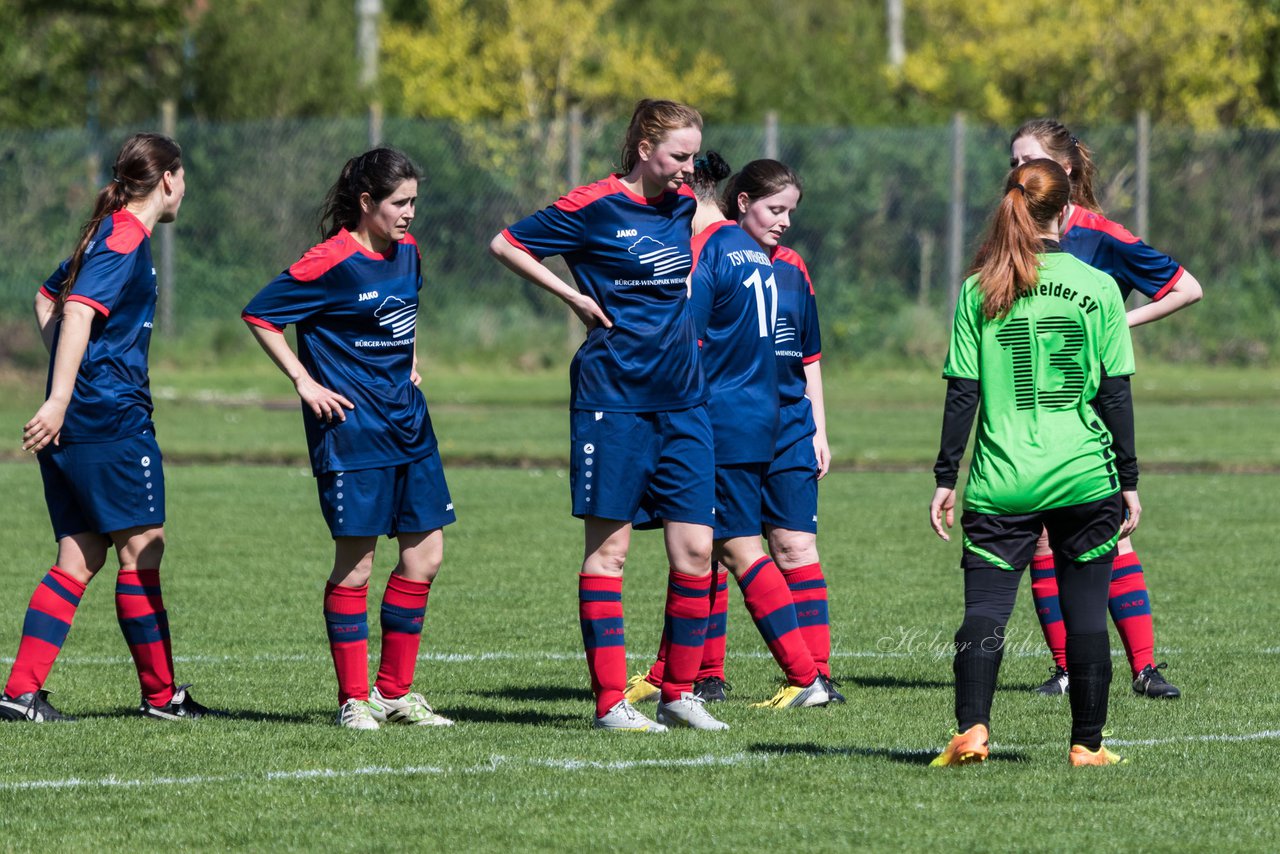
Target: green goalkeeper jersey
[{"x": 1040, "y": 444}]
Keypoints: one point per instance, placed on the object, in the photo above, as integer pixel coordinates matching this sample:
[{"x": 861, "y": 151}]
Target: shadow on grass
[
  {"x": 536, "y": 694},
  {"x": 895, "y": 682},
  {"x": 905, "y": 757},
  {"x": 524, "y": 717}
]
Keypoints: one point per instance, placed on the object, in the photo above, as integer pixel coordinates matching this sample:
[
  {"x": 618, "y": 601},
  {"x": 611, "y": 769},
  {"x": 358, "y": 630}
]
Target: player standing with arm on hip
[
  {"x": 1109, "y": 247},
  {"x": 639, "y": 428},
  {"x": 354, "y": 301},
  {"x": 736, "y": 305},
  {"x": 1039, "y": 340},
  {"x": 102, "y": 470}
]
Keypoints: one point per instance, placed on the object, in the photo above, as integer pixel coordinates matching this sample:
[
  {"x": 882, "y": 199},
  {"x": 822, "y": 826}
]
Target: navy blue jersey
[
  {"x": 797, "y": 338},
  {"x": 1109, "y": 247},
  {"x": 356, "y": 314},
  {"x": 112, "y": 397},
  {"x": 631, "y": 255},
  {"x": 735, "y": 305}
]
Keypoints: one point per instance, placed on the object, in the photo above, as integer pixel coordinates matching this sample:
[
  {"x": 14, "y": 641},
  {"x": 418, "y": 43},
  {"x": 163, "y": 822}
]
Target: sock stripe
[
  {"x": 1039, "y": 574},
  {"x": 753, "y": 572},
  {"x": 603, "y": 632},
  {"x": 1134, "y": 604},
  {"x": 137, "y": 589},
  {"x": 812, "y": 613},
  {"x": 814, "y": 584},
  {"x": 778, "y": 623},
  {"x": 146, "y": 629},
  {"x": 344, "y": 628},
  {"x": 45, "y": 627},
  {"x": 687, "y": 631},
  {"x": 62, "y": 592},
  {"x": 1048, "y": 610},
  {"x": 717, "y": 625},
  {"x": 1118, "y": 572},
  {"x": 404, "y": 620},
  {"x": 686, "y": 592},
  {"x": 600, "y": 595}
]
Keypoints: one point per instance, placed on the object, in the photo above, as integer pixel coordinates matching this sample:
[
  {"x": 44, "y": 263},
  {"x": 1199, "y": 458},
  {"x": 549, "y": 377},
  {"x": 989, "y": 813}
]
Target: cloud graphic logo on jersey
[
  {"x": 665, "y": 259},
  {"x": 397, "y": 315}
]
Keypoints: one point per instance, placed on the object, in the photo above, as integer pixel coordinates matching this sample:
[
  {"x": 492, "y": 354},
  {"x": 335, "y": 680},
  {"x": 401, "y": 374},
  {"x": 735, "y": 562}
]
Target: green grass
[
  {"x": 1188, "y": 418},
  {"x": 245, "y": 567}
]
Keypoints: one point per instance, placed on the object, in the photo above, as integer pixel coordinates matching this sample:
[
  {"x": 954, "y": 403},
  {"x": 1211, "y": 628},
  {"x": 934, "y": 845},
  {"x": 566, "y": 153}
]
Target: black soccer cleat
[
  {"x": 836, "y": 696},
  {"x": 1057, "y": 684},
  {"x": 1150, "y": 683},
  {"x": 33, "y": 706},
  {"x": 181, "y": 707},
  {"x": 711, "y": 689}
]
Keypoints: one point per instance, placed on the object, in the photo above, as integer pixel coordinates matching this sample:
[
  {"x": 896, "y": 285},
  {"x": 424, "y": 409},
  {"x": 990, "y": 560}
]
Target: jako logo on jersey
[
  {"x": 368, "y": 295},
  {"x": 665, "y": 259},
  {"x": 627, "y": 232},
  {"x": 397, "y": 315}
]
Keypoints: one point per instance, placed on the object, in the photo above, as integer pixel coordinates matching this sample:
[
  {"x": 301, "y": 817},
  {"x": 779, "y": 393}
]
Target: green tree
[{"x": 1185, "y": 61}]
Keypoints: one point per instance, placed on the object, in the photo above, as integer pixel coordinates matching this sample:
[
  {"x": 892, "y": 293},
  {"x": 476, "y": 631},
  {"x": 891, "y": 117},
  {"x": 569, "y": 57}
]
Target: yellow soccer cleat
[
  {"x": 641, "y": 690},
  {"x": 966, "y": 748},
  {"x": 797, "y": 696},
  {"x": 1081, "y": 756}
]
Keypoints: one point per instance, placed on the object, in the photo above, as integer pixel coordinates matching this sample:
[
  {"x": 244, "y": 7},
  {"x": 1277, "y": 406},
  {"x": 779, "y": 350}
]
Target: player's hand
[
  {"x": 823, "y": 453},
  {"x": 1132, "y": 512},
  {"x": 942, "y": 508},
  {"x": 325, "y": 405},
  {"x": 415, "y": 377},
  {"x": 44, "y": 427},
  {"x": 589, "y": 312}
]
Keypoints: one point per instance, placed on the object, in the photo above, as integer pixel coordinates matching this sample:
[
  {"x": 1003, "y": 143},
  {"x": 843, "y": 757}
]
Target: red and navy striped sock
[
  {"x": 769, "y": 602},
  {"x": 347, "y": 619},
  {"x": 53, "y": 606},
  {"x": 654, "y": 676},
  {"x": 1130, "y": 606},
  {"x": 145, "y": 625},
  {"x": 603, "y": 638},
  {"x": 688, "y": 607},
  {"x": 1044, "y": 590},
  {"x": 717, "y": 624},
  {"x": 404, "y": 607},
  {"x": 809, "y": 592}
]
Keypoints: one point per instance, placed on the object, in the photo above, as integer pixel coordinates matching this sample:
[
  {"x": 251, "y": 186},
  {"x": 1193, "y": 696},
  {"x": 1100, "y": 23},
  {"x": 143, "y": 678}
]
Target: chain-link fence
[{"x": 886, "y": 222}]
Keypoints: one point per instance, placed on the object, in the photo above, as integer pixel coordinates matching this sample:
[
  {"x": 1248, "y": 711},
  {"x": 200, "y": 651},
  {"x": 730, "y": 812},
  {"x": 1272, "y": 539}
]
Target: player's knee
[
  {"x": 790, "y": 549},
  {"x": 604, "y": 562},
  {"x": 693, "y": 558}
]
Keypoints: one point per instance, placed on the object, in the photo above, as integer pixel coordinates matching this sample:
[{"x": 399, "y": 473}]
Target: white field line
[
  {"x": 534, "y": 655},
  {"x": 495, "y": 764},
  {"x": 502, "y": 763}
]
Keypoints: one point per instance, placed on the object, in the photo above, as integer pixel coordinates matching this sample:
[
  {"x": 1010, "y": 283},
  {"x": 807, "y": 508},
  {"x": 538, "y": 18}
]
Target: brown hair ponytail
[
  {"x": 141, "y": 163},
  {"x": 1034, "y": 195}
]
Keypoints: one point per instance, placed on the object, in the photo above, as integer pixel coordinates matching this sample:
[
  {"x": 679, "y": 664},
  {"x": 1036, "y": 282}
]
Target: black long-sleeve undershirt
[{"x": 1113, "y": 403}]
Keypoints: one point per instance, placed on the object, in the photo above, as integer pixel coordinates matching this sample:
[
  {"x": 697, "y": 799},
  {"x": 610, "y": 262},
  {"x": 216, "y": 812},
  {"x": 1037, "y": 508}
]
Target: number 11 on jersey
[{"x": 767, "y": 321}]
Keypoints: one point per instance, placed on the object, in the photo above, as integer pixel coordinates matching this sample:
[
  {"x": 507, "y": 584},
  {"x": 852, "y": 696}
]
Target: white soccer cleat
[
  {"x": 624, "y": 717},
  {"x": 688, "y": 711},
  {"x": 410, "y": 709},
  {"x": 357, "y": 714}
]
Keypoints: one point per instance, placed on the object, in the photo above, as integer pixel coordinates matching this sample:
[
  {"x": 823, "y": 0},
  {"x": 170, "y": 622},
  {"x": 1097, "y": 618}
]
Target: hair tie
[
  {"x": 1018, "y": 187},
  {"x": 700, "y": 164},
  {"x": 1075, "y": 140}
]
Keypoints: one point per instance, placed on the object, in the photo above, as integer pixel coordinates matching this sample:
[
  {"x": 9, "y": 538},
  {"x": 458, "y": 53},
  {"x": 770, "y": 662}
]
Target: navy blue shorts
[
  {"x": 791, "y": 483},
  {"x": 103, "y": 487},
  {"x": 738, "y": 500},
  {"x": 643, "y": 466},
  {"x": 406, "y": 499}
]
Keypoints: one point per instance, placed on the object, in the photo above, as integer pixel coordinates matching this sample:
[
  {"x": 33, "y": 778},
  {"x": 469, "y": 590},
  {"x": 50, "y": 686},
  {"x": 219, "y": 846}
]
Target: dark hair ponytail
[
  {"x": 1034, "y": 195},
  {"x": 377, "y": 172},
  {"x": 138, "y": 168},
  {"x": 708, "y": 171},
  {"x": 759, "y": 179}
]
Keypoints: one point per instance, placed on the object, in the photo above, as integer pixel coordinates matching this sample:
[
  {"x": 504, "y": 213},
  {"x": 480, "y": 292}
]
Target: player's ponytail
[
  {"x": 377, "y": 172},
  {"x": 708, "y": 171},
  {"x": 137, "y": 171},
  {"x": 759, "y": 179},
  {"x": 1070, "y": 151},
  {"x": 1007, "y": 264},
  {"x": 652, "y": 120}
]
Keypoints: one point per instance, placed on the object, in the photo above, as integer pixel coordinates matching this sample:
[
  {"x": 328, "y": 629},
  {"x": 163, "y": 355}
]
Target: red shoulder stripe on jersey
[
  {"x": 47, "y": 294},
  {"x": 92, "y": 303},
  {"x": 127, "y": 232},
  {"x": 790, "y": 256},
  {"x": 809, "y": 360},
  {"x": 258, "y": 321},
  {"x": 517, "y": 244},
  {"x": 686, "y": 190},
  {"x": 408, "y": 238},
  {"x": 1160, "y": 294},
  {"x": 1096, "y": 222},
  {"x": 579, "y": 197},
  {"x": 323, "y": 257},
  {"x": 700, "y": 239}
]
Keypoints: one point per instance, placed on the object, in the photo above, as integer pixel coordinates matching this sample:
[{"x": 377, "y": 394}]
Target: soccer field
[{"x": 245, "y": 567}]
